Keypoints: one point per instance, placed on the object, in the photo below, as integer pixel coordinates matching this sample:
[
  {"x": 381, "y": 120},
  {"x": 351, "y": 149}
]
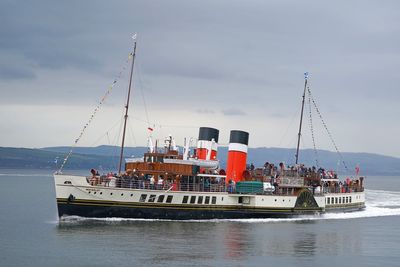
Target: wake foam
[{"x": 379, "y": 203}]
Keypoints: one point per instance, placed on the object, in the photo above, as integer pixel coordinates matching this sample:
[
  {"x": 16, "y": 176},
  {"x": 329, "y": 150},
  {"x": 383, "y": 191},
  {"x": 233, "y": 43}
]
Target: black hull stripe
[
  {"x": 167, "y": 213},
  {"x": 177, "y": 206},
  {"x": 157, "y": 212}
]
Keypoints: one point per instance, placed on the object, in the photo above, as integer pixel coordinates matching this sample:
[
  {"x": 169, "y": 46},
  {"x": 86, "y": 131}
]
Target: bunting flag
[
  {"x": 357, "y": 170},
  {"x": 92, "y": 116}
]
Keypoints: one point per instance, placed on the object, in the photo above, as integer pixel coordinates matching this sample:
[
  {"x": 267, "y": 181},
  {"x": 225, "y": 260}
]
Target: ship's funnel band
[
  {"x": 237, "y": 147},
  {"x": 203, "y": 144},
  {"x": 207, "y": 134}
]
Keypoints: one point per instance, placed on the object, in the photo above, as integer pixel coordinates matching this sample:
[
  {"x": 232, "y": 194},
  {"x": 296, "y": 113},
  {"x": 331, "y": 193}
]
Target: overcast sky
[{"x": 224, "y": 64}]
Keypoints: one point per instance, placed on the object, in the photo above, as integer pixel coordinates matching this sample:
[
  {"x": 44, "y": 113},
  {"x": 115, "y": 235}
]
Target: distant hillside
[
  {"x": 25, "y": 158},
  {"x": 106, "y": 157}
]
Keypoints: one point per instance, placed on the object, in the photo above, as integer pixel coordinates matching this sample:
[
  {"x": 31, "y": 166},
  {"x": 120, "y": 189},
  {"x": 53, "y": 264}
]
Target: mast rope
[
  {"x": 327, "y": 130},
  {"x": 312, "y": 127},
  {"x": 92, "y": 116},
  {"x": 141, "y": 87}
]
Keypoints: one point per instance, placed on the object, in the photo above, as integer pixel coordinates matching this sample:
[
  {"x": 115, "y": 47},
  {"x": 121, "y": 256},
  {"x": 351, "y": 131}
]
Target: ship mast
[
  {"x": 127, "y": 104},
  {"x": 301, "y": 117}
]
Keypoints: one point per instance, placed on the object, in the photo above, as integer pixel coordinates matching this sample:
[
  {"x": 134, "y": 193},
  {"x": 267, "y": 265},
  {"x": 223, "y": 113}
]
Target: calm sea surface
[{"x": 31, "y": 235}]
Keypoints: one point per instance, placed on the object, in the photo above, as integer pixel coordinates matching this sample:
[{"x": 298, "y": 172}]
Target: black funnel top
[
  {"x": 206, "y": 134},
  {"x": 239, "y": 137}
]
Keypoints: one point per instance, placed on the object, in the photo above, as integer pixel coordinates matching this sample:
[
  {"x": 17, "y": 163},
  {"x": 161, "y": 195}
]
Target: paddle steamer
[{"x": 167, "y": 184}]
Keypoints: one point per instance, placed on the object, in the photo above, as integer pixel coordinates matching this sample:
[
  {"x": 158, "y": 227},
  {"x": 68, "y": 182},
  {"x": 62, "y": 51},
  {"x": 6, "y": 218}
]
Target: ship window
[
  {"x": 110, "y": 194},
  {"x": 193, "y": 200},
  {"x": 143, "y": 197},
  {"x": 336, "y": 201},
  {"x": 347, "y": 199},
  {"x": 101, "y": 193},
  {"x": 343, "y": 200},
  {"x": 160, "y": 198},
  {"x": 67, "y": 182},
  {"x": 200, "y": 200},
  {"x": 340, "y": 200},
  {"x": 328, "y": 200},
  {"x": 350, "y": 199},
  {"x": 94, "y": 192},
  {"x": 152, "y": 198},
  {"x": 122, "y": 194},
  {"x": 214, "y": 200},
  {"x": 185, "y": 199},
  {"x": 131, "y": 195},
  {"x": 169, "y": 199},
  {"x": 207, "y": 200}
]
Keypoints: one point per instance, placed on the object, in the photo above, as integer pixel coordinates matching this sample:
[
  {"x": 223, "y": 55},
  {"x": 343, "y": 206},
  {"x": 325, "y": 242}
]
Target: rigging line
[
  {"x": 116, "y": 141},
  {"x": 287, "y": 129},
  {"x": 164, "y": 125},
  {"x": 312, "y": 127},
  {"x": 142, "y": 94},
  {"x": 105, "y": 134},
  {"x": 131, "y": 132},
  {"x": 327, "y": 130},
  {"x": 92, "y": 116}
]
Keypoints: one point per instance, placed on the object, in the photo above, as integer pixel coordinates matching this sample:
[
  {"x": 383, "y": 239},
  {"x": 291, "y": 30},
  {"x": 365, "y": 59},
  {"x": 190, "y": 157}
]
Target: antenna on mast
[
  {"x": 127, "y": 103},
  {"x": 301, "y": 117}
]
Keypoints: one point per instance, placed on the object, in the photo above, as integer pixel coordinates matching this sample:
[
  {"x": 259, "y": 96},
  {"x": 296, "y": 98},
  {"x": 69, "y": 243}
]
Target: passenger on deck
[{"x": 152, "y": 182}]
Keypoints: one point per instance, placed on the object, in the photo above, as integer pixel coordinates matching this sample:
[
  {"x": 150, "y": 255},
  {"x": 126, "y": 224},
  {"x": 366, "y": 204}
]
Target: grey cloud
[
  {"x": 233, "y": 112},
  {"x": 249, "y": 54},
  {"x": 16, "y": 73},
  {"x": 205, "y": 111}
]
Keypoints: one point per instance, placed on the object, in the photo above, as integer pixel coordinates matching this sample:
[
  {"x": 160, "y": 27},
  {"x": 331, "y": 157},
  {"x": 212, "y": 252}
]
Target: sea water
[{"x": 32, "y": 235}]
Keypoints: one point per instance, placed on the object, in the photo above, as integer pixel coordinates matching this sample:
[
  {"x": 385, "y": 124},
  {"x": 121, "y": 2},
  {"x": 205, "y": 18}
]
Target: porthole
[
  {"x": 275, "y": 199},
  {"x": 122, "y": 194},
  {"x": 101, "y": 193},
  {"x": 169, "y": 199},
  {"x": 111, "y": 194},
  {"x": 160, "y": 198},
  {"x": 152, "y": 198},
  {"x": 222, "y": 198},
  {"x": 283, "y": 200},
  {"x": 143, "y": 197},
  {"x": 94, "y": 192},
  {"x": 131, "y": 195}
]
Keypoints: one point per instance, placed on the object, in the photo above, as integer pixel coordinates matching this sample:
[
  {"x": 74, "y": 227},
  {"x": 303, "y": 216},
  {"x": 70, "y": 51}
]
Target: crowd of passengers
[
  {"x": 134, "y": 180},
  {"x": 312, "y": 177},
  {"x": 270, "y": 169},
  {"x": 270, "y": 173}
]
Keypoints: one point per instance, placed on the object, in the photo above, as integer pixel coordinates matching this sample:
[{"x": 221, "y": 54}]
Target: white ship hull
[{"x": 75, "y": 196}]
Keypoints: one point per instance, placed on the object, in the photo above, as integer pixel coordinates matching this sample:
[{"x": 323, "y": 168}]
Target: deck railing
[{"x": 206, "y": 185}]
